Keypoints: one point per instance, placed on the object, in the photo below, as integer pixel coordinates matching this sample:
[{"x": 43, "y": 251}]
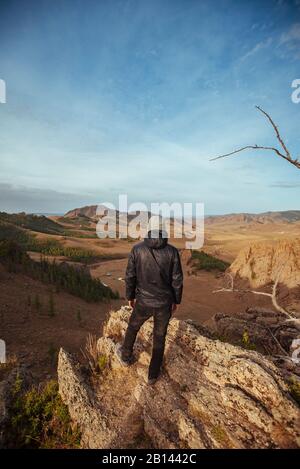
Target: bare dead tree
[
  {"x": 284, "y": 153},
  {"x": 273, "y": 295},
  {"x": 290, "y": 317}
]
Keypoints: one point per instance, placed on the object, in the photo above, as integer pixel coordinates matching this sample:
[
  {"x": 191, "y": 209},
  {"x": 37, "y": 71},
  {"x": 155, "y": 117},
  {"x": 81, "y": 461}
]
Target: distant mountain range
[{"x": 288, "y": 216}]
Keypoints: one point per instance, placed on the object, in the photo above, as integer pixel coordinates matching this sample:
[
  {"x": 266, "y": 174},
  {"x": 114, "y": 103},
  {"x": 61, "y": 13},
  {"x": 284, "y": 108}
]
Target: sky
[{"x": 135, "y": 96}]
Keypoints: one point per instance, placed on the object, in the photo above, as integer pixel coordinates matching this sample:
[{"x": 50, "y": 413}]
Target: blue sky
[{"x": 109, "y": 97}]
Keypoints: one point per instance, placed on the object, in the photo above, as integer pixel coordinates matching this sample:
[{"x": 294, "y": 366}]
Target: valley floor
[{"x": 34, "y": 336}]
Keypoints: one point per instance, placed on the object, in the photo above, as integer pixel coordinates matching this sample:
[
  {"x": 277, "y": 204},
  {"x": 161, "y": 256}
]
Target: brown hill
[
  {"x": 288, "y": 216},
  {"x": 89, "y": 211}
]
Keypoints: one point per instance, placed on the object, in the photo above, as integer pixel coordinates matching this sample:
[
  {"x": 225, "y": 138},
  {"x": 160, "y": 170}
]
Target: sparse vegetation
[
  {"x": 76, "y": 281},
  {"x": 37, "y": 303},
  {"x": 51, "y": 311},
  {"x": 294, "y": 387},
  {"x": 6, "y": 367},
  {"x": 11, "y": 232},
  {"x": 53, "y": 354},
  {"x": 80, "y": 234},
  {"x": 246, "y": 342},
  {"x": 203, "y": 261},
  {"x": 221, "y": 436},
  {"x": 96, "y": 362},
  {"x": 29, "y": 300},
  {"x": 38, "y": 223},
  {"x": 39, "y": 419},
  {"x": 52, "y": 246},
  {"x": 102, "y": 362}
]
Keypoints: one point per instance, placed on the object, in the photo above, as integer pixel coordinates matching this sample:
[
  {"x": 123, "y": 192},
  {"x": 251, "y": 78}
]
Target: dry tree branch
[
  {"x": 277, "y": 342},
  {"x": 272, "y": 295},
  {"x": 286, "y": 155}
]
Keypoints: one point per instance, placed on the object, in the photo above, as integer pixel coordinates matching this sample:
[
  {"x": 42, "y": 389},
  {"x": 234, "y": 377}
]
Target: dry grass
[{"x": 96, "y": 362}]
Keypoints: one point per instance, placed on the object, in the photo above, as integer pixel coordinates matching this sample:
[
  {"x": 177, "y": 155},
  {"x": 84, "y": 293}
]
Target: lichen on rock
[{"x": 211, "y": 394}]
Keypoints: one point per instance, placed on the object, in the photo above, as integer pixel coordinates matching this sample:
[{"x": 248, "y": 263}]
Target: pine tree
[
  {"x": 79, "y": 316},
  {"x": 51, "y": 305},
  {"x": 29, "y": 300},
  {"x": 37, "y": 303}
]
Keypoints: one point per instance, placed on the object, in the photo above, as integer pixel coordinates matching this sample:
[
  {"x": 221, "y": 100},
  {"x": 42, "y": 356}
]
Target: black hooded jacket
[{"x": 154, "y": 281}]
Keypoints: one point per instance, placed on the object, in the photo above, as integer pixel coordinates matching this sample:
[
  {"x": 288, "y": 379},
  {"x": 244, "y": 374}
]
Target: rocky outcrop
[
  {"x": 268, "y": 331},
  {"x": 211, "y": 394},
  {"x": 262, "y": 330},
  {"x": 262, "y": 263}
]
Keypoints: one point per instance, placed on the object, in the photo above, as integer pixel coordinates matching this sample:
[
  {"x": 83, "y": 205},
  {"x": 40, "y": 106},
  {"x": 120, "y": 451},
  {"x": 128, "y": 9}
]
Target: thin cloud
[
  {"x": 292, "y": 35},
  {"x": 257, "y": 48},
  {"x": 289, "y": 41}
]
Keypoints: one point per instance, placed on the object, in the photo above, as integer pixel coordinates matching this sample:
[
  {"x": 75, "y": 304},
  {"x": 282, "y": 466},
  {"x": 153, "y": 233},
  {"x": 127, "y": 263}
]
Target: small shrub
[
  {"x": 40, "y": 419},
  {"x": 102, "y": 362},
  {"x": 246, "y": 343}
]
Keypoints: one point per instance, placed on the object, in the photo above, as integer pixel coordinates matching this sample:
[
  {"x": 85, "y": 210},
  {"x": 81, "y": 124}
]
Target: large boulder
[{"x": 211, "y": 394}]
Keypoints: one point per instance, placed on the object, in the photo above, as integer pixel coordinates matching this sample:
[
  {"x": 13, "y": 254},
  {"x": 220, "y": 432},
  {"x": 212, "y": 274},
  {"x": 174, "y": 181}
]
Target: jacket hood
[{"x": 156, "y": 239}]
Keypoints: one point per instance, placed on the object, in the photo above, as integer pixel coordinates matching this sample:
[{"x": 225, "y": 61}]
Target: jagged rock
[
  {"x": 268, "y": 331},
  {"x": 210, "y": 395}
]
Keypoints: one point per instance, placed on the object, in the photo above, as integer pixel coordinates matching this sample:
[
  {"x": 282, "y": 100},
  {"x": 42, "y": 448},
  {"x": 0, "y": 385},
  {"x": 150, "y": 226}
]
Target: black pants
[{"x": 161, "y": 318}]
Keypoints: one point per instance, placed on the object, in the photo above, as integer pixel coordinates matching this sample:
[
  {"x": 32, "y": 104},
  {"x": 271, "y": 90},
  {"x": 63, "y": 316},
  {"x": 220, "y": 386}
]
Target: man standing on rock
[{"x": 154, "y": 283}]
